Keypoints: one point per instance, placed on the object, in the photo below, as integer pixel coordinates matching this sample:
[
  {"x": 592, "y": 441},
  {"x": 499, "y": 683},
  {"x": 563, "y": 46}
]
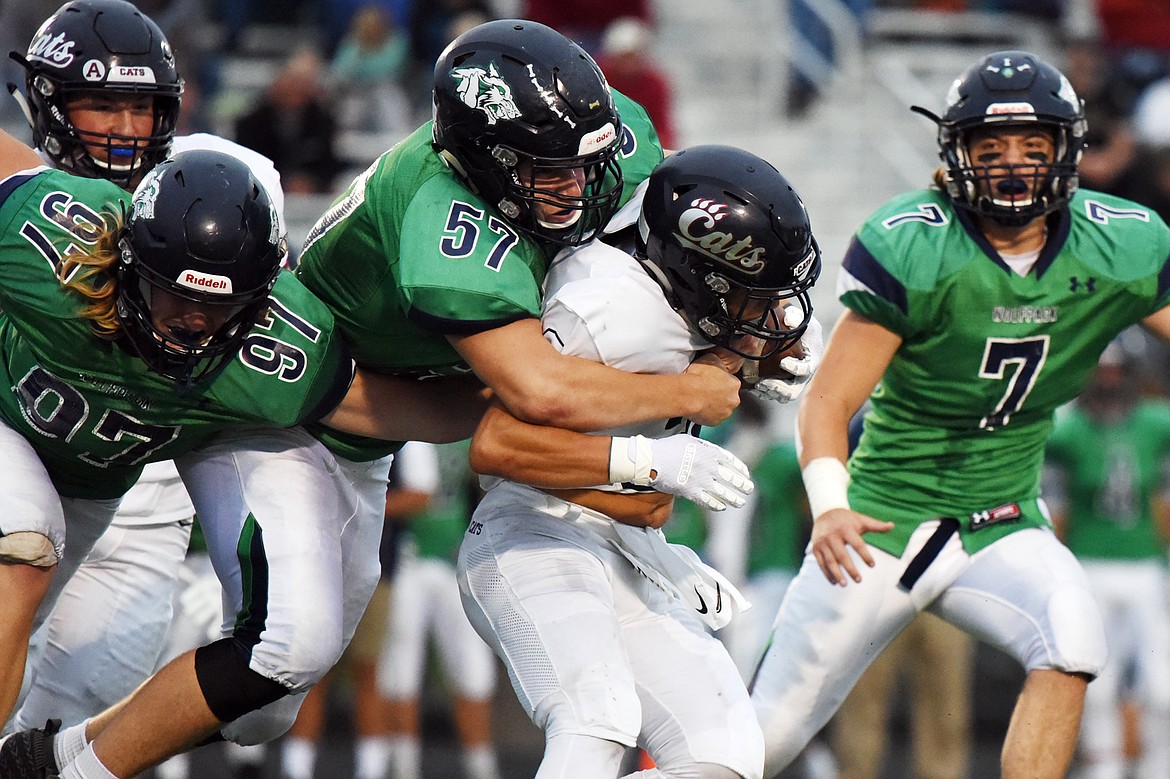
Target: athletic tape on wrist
[
  {"x": 826, "y": 481},
  {"x": 629, "y": 460}
]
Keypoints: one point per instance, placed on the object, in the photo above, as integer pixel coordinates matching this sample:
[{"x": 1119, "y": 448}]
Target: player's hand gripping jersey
[
  {"x": 95, "y": 412},
  {"x": 959, "y": 423},
  {"x": 409, "y": 255}
]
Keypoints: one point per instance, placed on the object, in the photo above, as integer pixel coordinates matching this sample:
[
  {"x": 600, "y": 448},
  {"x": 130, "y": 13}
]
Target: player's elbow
[
  {"x": 543, "y": 402},
  {"x": 488, "y": 457}
]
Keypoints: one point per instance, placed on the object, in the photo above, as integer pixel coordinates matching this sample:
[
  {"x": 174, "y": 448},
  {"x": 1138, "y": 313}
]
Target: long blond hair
[
  {"x": 939, "y": 178},
  {"x": 91, "y": 274}
]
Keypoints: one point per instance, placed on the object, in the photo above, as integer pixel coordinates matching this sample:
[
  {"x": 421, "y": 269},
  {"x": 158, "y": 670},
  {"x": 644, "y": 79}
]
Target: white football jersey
[{"x": 599, "y": 304}]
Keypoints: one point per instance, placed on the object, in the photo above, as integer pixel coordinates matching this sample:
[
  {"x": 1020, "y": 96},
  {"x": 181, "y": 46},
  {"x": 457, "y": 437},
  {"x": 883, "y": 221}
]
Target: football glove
[{"x": 801, "y": 368}]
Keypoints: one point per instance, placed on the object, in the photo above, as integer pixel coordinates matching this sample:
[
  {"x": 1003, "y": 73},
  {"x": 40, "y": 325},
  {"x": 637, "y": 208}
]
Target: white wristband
[
  {"x": 827, "y": 483},
  {"x": 629, "y": 460}
]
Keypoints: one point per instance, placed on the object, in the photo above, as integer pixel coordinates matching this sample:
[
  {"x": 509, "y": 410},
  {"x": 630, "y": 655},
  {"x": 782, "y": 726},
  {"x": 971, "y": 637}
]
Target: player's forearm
[
  {"x": 563, "y": 462},
  {"x": 540, "y": 385},
  {"x": 823, "y": 428},
  {"x": 544, "y": 457},
  {"x": 582, "y": 395},
  {"x": 858, "y": 353},
  {"x": 646, "y": 509},
  {"x": 396, "y": 409}
]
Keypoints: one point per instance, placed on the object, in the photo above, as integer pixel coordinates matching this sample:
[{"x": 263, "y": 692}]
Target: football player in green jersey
[
  {"x": 434, "y": 257},
  {"x": 131, "y": 340},
  {"x": 980, "y": 305},
  {"x": 1105, "y": 481},
  {"x": 117, "y": 127}
]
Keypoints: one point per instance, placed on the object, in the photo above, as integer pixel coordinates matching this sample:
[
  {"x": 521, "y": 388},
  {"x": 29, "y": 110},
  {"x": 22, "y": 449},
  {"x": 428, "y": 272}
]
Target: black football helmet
[
  {"x": 107, "y": 46},
  {"x": 1010, "y": 88},
  {"x": 727, "y": 237},
  {"x": 516, "y": 102},
  {"x": 200, "y": 227}
]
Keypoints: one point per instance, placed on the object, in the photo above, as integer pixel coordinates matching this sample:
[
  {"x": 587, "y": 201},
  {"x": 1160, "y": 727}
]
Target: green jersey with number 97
[
  {"x": 93, "y": 411},
  {"x": 408, "y": 255},
  {"x": 959, "y": 422}
]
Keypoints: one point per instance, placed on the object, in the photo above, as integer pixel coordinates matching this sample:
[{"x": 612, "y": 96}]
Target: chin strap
[
  {"x": 21, "y": 101},
  {"x": 454, "y": 164}
]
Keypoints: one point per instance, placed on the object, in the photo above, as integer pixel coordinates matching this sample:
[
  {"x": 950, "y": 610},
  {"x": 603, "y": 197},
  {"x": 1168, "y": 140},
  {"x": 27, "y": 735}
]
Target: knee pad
[
  {"x": 593, "y": 706},
  {"x": 28, "y": 547},
  {"x": 265, "y": 724},
  {"x": 1078, "y": 634},
  {"x": 230, "y": 687}
]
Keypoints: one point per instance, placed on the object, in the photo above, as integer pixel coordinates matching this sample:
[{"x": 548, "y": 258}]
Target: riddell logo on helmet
[
  {"x": 997, "y": 109},
  {"x": 205, "y": 282},
  {"x": 598, "y": 140}
]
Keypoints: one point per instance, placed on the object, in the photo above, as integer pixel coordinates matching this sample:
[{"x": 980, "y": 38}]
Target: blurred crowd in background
[{"x": 322, "y": 86}]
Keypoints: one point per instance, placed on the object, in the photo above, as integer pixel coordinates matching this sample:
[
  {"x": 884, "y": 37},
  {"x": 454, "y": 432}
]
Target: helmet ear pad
[
  {"x": 517, "y": 104},
  {"x": 105, "y": 46},
  {"x": 729, "y": 241},
  {"x": 200, "y": 228}
]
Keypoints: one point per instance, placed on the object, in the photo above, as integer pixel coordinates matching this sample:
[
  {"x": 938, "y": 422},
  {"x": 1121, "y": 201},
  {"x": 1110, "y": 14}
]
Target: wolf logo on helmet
[
  {"x": 142, "y": 203},
  {"x": 525, "y": 118},
  {"x": 486, "y": 91}
]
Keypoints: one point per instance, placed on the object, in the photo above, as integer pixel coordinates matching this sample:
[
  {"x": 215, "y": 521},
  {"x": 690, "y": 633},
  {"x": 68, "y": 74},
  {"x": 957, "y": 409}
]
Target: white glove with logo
[
  {"x": 801, "y": 368},
  {"x": 682, "y": 465}
]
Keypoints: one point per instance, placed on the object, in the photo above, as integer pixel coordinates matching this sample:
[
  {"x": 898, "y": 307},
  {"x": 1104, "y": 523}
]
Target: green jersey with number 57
[
  {"x": 959, "y": 422},
  {"x": 93, "y": 411},
  {"x": 408, "y": 255}
]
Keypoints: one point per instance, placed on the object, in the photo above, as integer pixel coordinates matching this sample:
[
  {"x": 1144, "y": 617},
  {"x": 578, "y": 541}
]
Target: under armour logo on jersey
[
  {"x": 927, "y": 212},
  {"x": 1076, "y": 285}
]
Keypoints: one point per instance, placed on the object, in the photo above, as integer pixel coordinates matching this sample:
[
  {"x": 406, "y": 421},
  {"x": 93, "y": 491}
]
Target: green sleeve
[
  {"x": 641, "y": 150},
  {"x": 462, "y": 268}
]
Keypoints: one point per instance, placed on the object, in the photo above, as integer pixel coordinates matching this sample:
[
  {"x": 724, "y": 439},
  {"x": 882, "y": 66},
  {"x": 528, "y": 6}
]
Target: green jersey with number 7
[{"x": 959, "y": 425}]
